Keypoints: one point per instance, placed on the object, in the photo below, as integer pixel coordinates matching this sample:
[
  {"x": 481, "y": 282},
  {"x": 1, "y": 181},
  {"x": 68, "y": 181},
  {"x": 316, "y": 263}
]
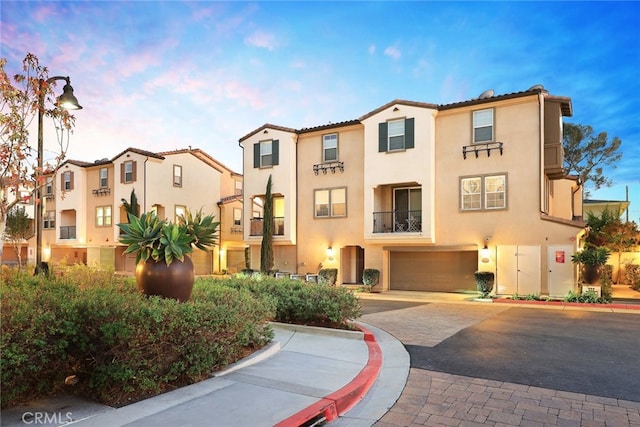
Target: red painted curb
[
  {"x": 339, "y": 402},
  {"x": 568, "y": 304}
]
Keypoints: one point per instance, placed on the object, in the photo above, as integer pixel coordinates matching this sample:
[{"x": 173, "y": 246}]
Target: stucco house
[
  {"x": 427, "y": 194},
  {"x": 83, "y": 205}
]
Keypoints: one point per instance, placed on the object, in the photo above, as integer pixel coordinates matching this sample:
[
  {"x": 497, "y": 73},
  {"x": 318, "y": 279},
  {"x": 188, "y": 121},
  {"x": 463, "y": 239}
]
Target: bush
[
  {"x": 484, "y": 282},
  {"x": 328, "y": 276},
  {"x": 606, "y": 282},
  {"x": 304, "y": 302},
  {"x": 370, "y": 278},
  {"x": 119, "y": 345},
  {"x": 632, "y": 275},
  {"x": 587, "y": 297}
]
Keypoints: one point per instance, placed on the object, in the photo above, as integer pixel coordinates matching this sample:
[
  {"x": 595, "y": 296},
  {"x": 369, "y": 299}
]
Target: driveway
[{"x": 490, "y": 364}]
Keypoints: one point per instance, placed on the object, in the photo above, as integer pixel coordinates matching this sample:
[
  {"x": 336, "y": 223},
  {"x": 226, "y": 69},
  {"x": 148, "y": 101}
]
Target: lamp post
[{"x": 68, "y": 101}]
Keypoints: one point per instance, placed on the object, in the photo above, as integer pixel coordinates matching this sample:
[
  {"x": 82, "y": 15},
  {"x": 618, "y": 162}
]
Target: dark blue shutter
[
  {"x": 409, "y": 133},
  {"x": 256, "y": 155},
  {"x": 382, "y": 137},
  {"x": 275, "y": 152}
]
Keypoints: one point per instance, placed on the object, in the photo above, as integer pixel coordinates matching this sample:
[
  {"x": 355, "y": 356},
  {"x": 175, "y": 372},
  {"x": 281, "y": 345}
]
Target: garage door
[
  {"x": 202, "y": 261},
  {"x": 235, "y": 260},
  {"x": 436, "y": 271}
]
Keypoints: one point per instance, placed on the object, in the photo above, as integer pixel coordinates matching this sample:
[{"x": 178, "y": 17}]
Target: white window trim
[
  {"x": 130, "y": 172},
  {"x": 268, "y": 143},
  {"x": 103, "y": 213},
  {"x": 177, "y": 176},
  {"x": 324, "y": 148},
  {"x": 492, "y": 126},
  {"x": 403, "y": 134}
]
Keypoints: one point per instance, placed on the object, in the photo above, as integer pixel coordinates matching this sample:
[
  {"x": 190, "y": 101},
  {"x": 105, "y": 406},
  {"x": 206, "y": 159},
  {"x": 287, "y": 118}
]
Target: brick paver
[{"x": 438, "y": 399}]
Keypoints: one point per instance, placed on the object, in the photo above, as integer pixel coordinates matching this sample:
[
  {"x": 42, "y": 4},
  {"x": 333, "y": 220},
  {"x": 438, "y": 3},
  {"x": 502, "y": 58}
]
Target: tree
[
  {"x": 586, "y": 154},
  {"x": 19, "y": 107},
  {"x": 18, "y": 229},
  {"x": 131, "y": 206},
  {"x": 266, "y": 249}
]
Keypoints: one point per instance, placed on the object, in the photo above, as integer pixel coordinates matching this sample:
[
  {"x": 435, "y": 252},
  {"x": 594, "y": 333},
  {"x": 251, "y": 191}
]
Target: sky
[{"x": 167, "y": 75}]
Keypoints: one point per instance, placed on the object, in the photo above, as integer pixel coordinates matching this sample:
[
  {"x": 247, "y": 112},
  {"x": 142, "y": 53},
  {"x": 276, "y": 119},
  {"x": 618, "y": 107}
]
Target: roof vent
[
  {"x": 535, "y": 87},
  {"x": 486, "y": 94}
]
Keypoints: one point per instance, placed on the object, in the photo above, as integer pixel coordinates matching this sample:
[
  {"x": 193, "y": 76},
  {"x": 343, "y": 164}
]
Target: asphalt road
[{"x": 588, "y": 352}]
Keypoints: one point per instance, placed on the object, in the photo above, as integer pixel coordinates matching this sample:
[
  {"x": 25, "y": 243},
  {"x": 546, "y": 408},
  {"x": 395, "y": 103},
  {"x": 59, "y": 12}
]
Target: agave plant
[{"x": 149, "y": 237}]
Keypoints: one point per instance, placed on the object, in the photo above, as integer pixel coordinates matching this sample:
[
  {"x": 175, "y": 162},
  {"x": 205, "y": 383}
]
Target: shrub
[
  {"x": 632, "y": 275},
  {"x": 587, "y": 297},
  {"x": 328, "y": 276},
  {"x": 606, "y": 282},
  {"x": 120, "y": 345},
  {"x": 484, "y": 282},
  {"x": 304, "y": 302},
  {"x": 370, "y": 278}
]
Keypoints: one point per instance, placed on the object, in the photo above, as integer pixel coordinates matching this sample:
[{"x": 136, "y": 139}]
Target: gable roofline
[
  {"x": 138, "y": 151},
  {"x": 203, "y": 156},
  {"x": 329, "y": 126},
  {"x": 398, "y": 102},
  {"x": 265, "y": 127}
]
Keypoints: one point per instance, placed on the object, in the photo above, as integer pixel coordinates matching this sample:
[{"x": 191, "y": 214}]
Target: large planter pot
[
  {"x": 173, "y": 281},
  {"x": 591, "y": 274},
  {"x": 484, "y": 282}
]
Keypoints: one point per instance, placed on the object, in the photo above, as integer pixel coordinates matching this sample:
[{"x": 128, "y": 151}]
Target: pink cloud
[
  {"x": 393, "y": 52},
  {"x": 261, "y": 39}
]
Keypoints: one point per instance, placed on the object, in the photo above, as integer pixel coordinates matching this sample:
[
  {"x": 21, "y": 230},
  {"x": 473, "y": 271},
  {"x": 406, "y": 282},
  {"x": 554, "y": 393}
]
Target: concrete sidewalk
[{"x": 306, "y": 373}]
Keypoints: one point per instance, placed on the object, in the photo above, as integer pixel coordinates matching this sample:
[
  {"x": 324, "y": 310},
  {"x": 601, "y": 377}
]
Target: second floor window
[
  {"x": 330, "y": 203},
  {"x": 396, "y": 135},
  {"x": 67, "y": 180},
  {"x": 483, "y": 193},
  {"x": 483, "y": 125},
  {"x": 104, "y": 177},
  {"x": 237, "y": 217},
  {"x": 103, "y": 216},
  {"x": 128, "y": 172},
  {"x": 238, "y": 187},
  {"x": 266, "y": 153},
  {"x": 48, "y": 187},
  {"x": 177, "y": 176},
  {"x": 330, "y": 147},
  {"x": 49, "y": 220}
]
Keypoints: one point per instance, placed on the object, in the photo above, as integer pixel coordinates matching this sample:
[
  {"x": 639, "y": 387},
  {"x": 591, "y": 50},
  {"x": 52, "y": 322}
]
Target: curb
[
  {"x": 568, "y": 304},
  {"x": 337, "y": 403}
]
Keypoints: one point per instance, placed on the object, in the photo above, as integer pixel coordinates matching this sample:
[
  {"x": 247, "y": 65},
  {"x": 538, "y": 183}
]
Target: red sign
[{"x": 560, "y": 257}]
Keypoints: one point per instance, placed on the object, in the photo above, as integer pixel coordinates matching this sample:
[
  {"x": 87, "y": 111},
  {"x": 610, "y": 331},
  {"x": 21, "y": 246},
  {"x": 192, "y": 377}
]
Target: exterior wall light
[
  {"x": 330, "y": 253},
  {"x": 484, "y": 252}
]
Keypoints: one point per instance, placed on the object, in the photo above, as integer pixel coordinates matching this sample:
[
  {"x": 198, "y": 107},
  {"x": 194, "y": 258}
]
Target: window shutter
[
  {"x": 134, "y": 171},
  {"x": 409, "y": 133},
  {"x": 256, "y": 155},
  {"x": 71, "y": 180},
  {"x": 121, "y": 173},
  {"x": 275, "y": 152},
  {"x": 62, "y": 181},
  {"x": 382, "y": 137}
]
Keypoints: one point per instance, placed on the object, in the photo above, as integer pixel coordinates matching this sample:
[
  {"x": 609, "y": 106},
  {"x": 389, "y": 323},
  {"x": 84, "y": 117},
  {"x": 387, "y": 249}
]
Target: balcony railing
[
  {"x": 397, "y": 222},
  {"x": 257, "y": 225},
  {"x": 68, "y": 232}
]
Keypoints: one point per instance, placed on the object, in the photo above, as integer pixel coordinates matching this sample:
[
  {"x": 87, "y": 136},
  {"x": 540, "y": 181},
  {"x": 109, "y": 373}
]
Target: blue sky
[{"x": 166, "y": 75}]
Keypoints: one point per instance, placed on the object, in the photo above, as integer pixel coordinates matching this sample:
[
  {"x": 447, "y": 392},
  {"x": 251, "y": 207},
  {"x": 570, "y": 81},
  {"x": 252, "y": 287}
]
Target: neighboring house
[
  {"x": 596, "y": 207},
  {"x": 425, "y": 193},
  {"x": 83, "y": 204}
]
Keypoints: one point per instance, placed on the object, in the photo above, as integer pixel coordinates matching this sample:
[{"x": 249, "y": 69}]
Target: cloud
[
  {"x": 372, "y": 49},
  {"x": 393, "y": 52},
  {"x": 261, "y": 39}
]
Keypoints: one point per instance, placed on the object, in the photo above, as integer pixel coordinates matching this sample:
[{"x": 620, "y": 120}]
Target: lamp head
[{"x": 68, "y": 100}]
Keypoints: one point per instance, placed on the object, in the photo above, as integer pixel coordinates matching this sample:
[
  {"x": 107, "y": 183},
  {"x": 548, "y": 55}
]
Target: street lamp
[{"x": 67, "y": 101}]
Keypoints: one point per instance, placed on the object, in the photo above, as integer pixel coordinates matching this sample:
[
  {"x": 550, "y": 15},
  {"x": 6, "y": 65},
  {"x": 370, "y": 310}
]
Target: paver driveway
[{"x": 490, "y": 364}]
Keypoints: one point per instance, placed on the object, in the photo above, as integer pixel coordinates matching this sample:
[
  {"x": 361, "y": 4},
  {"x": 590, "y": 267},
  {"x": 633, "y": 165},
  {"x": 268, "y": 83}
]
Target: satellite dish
[
  {"x": 535, "y": 87},
  {"x": 486, "y": 94}
]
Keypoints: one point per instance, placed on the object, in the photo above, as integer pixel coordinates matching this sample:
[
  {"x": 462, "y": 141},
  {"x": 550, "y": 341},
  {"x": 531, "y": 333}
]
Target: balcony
[
  {"x": 397, "y": 222},
  {"x": 67, "y": 232},
  {"x": 330, "y": 166},
  {"x": 257, "y": 225},
  {"x": 101, "y": 191}
]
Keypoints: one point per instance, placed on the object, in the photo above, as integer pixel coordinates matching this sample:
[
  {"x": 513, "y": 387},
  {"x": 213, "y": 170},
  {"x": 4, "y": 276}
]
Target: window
[
  {"x": 179, "y": 211},
  {"x": 396, "y": 135},
  {"x": 483, "y": 125},
  {"x": 177, "y": 176},
  {"x": 104, "y": 177},
  {"x": 237, "y": 216},
  {"x": 484, "y": 192},
  {"x": 67, "y": 180},
  {"x": 331, "y": 203},
  {"x": 48, "y": 187},
  {"x": 265, "y": 153},
  {"x": 128, "y": 171},
  {"x": 103, "y": 216},
  {"x": 49, "y": 220},
  {"x": 238, "y": 187},
  {"x": 330, "y": 147}
]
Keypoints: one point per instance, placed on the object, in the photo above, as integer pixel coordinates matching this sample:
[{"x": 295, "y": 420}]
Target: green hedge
[
  {"x": 119, "y": 345},
  {"x": 304, "y": 302}
]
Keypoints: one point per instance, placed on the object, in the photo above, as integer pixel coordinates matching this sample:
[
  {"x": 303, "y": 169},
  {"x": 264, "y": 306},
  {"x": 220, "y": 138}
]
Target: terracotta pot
[
  {"x": 591, "y": 274},
  {"x": 174, "y": 281}
]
